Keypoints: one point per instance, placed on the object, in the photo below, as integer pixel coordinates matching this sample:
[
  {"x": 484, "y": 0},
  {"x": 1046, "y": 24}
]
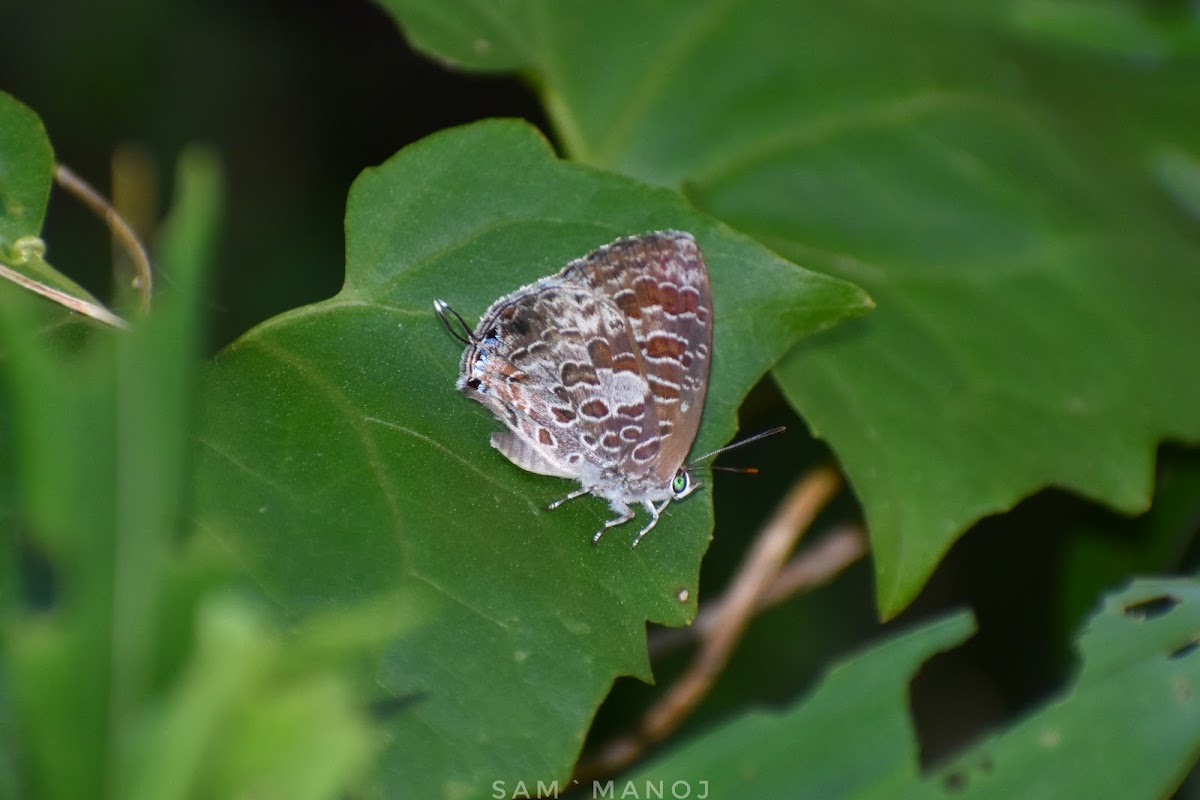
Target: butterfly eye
[{"x": 681, "y": 483}]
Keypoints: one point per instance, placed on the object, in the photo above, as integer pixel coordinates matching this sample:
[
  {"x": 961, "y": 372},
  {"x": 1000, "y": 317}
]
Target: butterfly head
[
  {"x": 682, "y": 484},
  {"x": 479, "y": 371}
]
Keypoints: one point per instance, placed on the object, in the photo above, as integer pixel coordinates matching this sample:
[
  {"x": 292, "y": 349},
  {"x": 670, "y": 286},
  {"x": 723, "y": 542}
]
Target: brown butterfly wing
[
  {"x": 659, "y": 282},
  {"x": 556, "y": 362}
]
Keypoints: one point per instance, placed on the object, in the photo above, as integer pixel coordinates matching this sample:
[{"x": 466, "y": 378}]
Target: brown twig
[
  {"x": 816, "y": 566},
  {"x": 813, "y": 567},
  {"x": 759, "y": 570},
  {"x": 143, "y": 278}
]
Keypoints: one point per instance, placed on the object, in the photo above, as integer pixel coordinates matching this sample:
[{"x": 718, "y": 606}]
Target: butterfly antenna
[
  {"x": 745, "y": 441},
  {"x": 444, "y": 312}
]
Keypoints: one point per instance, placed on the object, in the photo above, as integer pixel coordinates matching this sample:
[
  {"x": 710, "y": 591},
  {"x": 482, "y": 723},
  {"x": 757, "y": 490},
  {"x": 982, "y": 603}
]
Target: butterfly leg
[
  {"x": 626, "y": 515},
  {"x": 580, "y": 492},
  {"x": 654, "y": 514}
]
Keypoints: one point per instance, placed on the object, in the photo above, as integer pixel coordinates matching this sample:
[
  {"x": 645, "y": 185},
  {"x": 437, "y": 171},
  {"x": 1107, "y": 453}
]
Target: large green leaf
[
  {"x": 338, "y": 462},
  {"x": 1023, "y": 217},
  {"x": 851, "y": 738},
  {"x": 1134, "y": 701},
  {"x": 1133, "y": 704}
]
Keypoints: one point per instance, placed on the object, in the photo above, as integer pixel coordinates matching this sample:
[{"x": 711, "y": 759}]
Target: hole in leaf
[
  {"x": 39, "y": 578},
  {"x": 1180, "y": 652},
  {"x": 953, "y": 701},
  {"x": 1151, "y": 607},
  {"x": 388, "y": 707}
]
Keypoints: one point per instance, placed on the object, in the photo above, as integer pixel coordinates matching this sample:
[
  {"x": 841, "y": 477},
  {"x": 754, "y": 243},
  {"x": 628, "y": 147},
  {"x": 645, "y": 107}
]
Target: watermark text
[{"x": 604, "y": 790}]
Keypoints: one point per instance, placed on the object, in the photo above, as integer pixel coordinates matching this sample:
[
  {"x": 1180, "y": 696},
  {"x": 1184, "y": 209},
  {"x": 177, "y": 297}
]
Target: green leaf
[
  {"x": 1179, "y": 174},
  {"x": 1100, "y": 549},
  {"x": 338, "y": 462},
  {"x": 235, "y": 724},
  {"x": 852, "y": 738},
  {"x": 1032, "y": 250},
  {"x": 1134, "y": 701},
  {"x": 26, "y": 167},
  {"x": 1111, "y": 26},
  {"x": 105, "y": 426},
  {"x": 57, "y": 665},
  {"x": 130, "y": 666}
]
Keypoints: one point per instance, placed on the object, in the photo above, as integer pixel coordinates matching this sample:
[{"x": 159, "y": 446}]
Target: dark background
[{"x": 298, "y": 98}]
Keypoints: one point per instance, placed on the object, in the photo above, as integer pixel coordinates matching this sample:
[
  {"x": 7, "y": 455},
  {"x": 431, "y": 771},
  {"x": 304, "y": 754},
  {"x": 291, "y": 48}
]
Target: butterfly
[{"x": 599, "y": 372}]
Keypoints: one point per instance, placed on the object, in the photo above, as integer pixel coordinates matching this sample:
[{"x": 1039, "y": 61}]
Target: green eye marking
[{"x": 680, "y": 483}]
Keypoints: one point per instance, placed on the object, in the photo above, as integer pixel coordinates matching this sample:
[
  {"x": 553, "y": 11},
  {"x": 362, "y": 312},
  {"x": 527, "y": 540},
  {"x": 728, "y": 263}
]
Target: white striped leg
[
  {"x": 612, "y": 523},
  {"x": 580, "y": 492},
  {"x": 654, "y": 513}
]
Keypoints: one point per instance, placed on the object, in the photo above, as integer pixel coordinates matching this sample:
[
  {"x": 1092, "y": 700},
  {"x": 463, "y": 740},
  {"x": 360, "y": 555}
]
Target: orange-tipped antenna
[
  {"x": 739, "y": 470},
  {"x": 745, "y": 441}
]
